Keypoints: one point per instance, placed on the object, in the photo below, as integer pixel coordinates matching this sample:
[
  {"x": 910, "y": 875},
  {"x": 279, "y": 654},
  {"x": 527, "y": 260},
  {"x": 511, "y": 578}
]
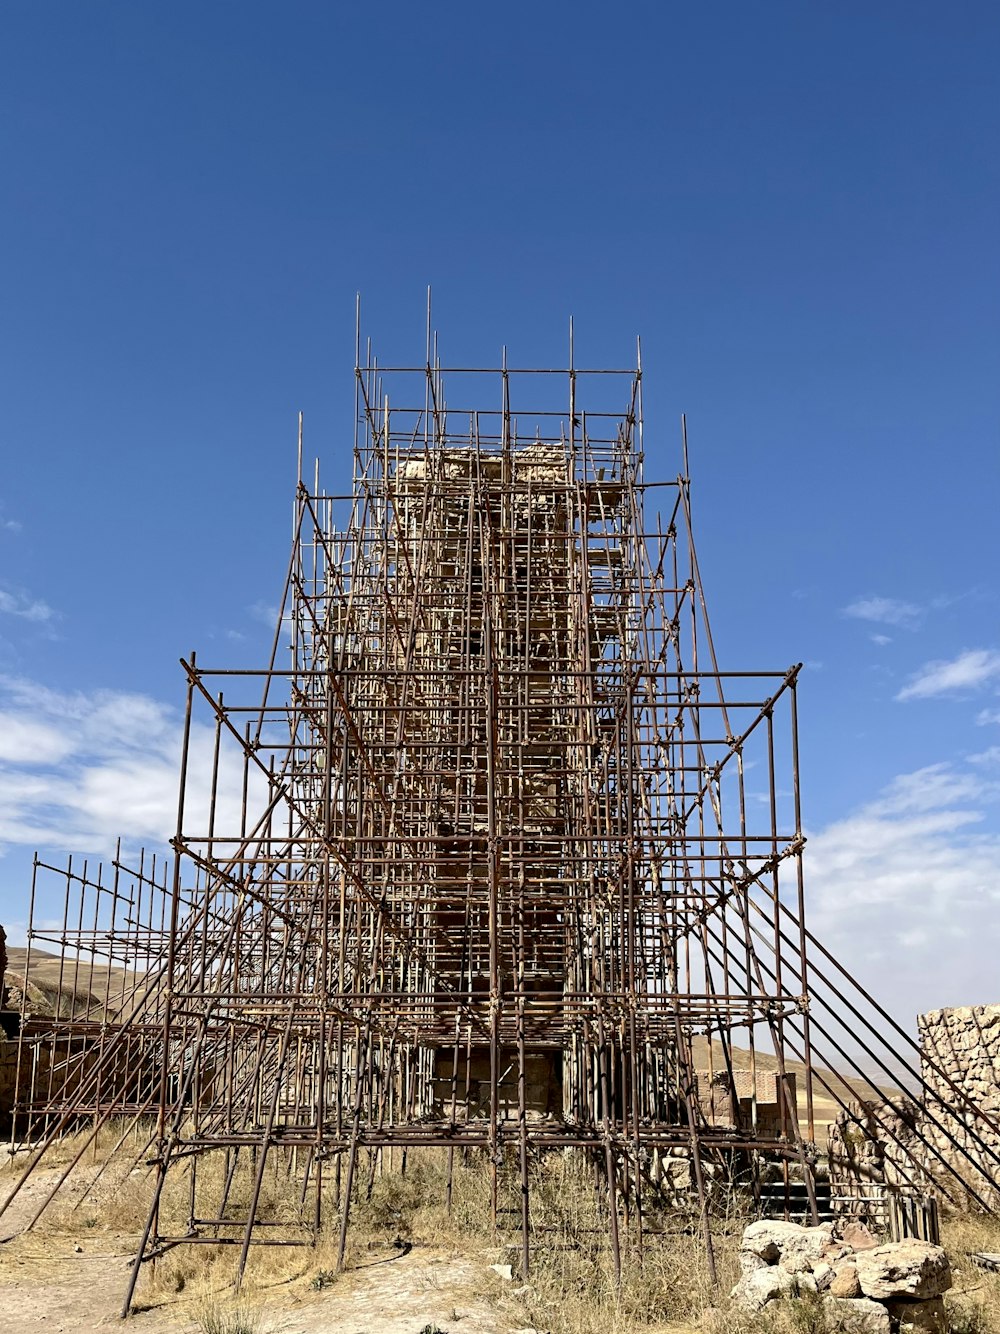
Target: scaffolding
[{"x": 497, "y": 860}]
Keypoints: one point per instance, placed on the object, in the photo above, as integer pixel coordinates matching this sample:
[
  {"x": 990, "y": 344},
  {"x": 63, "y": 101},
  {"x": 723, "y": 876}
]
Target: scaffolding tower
[{"x": 490, "y": 856}]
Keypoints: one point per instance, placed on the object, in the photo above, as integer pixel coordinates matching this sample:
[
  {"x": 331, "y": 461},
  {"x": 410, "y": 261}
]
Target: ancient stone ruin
[
  {"x": 961, "y": 1065},
  {"x": 887, "y": 1155},
  {"x": 480, "y": 860}
]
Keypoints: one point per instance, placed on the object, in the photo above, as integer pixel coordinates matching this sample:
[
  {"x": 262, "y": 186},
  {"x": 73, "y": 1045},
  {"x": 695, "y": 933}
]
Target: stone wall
[
  {"x": 8, "y": 1049},
  {"x": 961, "y": 1048},
  {"x": 871, "y": 1146},
  {"x": 945, "y": 1139},
  {"x": 543, "y": 1089}
]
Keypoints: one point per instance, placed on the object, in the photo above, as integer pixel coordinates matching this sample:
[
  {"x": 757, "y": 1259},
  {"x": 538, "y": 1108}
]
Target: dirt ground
[
  {"x": 62, "y": 1286},
  {"x": 67, "y": 1284}
]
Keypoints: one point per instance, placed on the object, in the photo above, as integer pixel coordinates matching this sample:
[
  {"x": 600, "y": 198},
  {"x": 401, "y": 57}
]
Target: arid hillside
[{"x": 78, "y": 987}]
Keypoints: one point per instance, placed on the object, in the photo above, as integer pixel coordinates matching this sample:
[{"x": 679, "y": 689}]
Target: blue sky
[{"x": 795, "y": 205}]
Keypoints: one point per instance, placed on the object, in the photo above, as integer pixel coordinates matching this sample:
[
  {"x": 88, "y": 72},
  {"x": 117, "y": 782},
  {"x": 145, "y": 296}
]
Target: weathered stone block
[
  {"x": 750, "y": 1262},
  {"x": 754, "y": 1291},
  {"x": 859, "y": 1315},
  {"x": 807, "y": 1249},
  {"x": 796, "y": 1247},
  {"x": 768, "y": 1238},
  {"x": 823, "y": 1274},
  {"x": 857, "y": 1236},
  {"x": 904, "y": 1269},
  {"x": 845, "y": 1280}
]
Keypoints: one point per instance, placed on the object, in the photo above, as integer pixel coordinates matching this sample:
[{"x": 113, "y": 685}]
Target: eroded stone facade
[{"x": 960, "y": 1063}]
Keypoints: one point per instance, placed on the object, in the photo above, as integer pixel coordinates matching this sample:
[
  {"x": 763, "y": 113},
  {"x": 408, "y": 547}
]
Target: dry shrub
[
  {"x": 571, "y": 1287},
  {"x": 116, "y": 1203},
  {"x": 240, "y": 1317}
]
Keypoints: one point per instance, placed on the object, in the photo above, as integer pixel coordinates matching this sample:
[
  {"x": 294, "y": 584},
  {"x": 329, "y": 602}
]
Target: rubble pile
[{"x": 896, "y": 1288}]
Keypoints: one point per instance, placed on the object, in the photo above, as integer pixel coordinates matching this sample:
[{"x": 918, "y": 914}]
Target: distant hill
[
  {"x": 69, "y": 987},
  {"x": 825, "y": 1105}
]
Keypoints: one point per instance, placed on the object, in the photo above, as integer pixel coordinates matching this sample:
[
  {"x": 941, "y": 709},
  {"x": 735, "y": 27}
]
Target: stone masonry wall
[
  {"x": 869, "y": 1148},
  {"x": 965, "y": 1044}
]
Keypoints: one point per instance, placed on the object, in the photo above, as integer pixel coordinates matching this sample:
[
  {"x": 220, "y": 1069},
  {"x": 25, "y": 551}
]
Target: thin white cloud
[
  {"x": 932, "y": 788},
  {"x": 10, "y": 525},
  {"x": 79, "y": 769},
  {"x": 17, "y": 929},
  {"x": 25, "y": 607},
  {"x": 885, "y": 611},
  {"x": 881, "y": 640},
  {"x": 24, "y": 741},
  {"x": 987, "y": 716},
  {"x": 267, "y": 614},
  {"x": 906, "y": 890},
  {"x": 971, "y": 669}
]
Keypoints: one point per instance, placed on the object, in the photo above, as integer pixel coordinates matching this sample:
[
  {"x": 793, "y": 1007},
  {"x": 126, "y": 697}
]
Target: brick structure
[{"x": 730, "y": 1101}]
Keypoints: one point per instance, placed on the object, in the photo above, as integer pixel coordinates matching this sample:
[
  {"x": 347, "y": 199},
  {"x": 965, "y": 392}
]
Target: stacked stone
[
  {"x": 963, "y": 1044},
  {"x": 872, "y": 1144},
  {"x": 875, "y": 1289}
]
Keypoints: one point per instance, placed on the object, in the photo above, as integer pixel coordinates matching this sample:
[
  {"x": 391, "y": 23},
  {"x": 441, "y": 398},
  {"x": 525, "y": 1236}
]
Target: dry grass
[
  {"x": 570, "y": 1288},
  {"x": 132, "y": 1136},
  {"x": 217, "y": 1317},
  {"x": 974, "y": 1302}
]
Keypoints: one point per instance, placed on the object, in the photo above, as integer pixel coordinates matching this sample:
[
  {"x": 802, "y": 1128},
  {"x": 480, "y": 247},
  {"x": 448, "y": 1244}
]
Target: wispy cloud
[
  {"x": 20, "y": 604},
  {"x": 8, "y": 525},
  {"x": 906, "y": 890},
  {"x": 24, "y": 741},
  {"x": 78, "y": 769},
  {"x": 881, "y": 640},
  {"x": 971, "y": 669},
  {"x": 885, "y": 611},
  {"x": 986, "y": 716},
  {"x": 267, "y": 614}
]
